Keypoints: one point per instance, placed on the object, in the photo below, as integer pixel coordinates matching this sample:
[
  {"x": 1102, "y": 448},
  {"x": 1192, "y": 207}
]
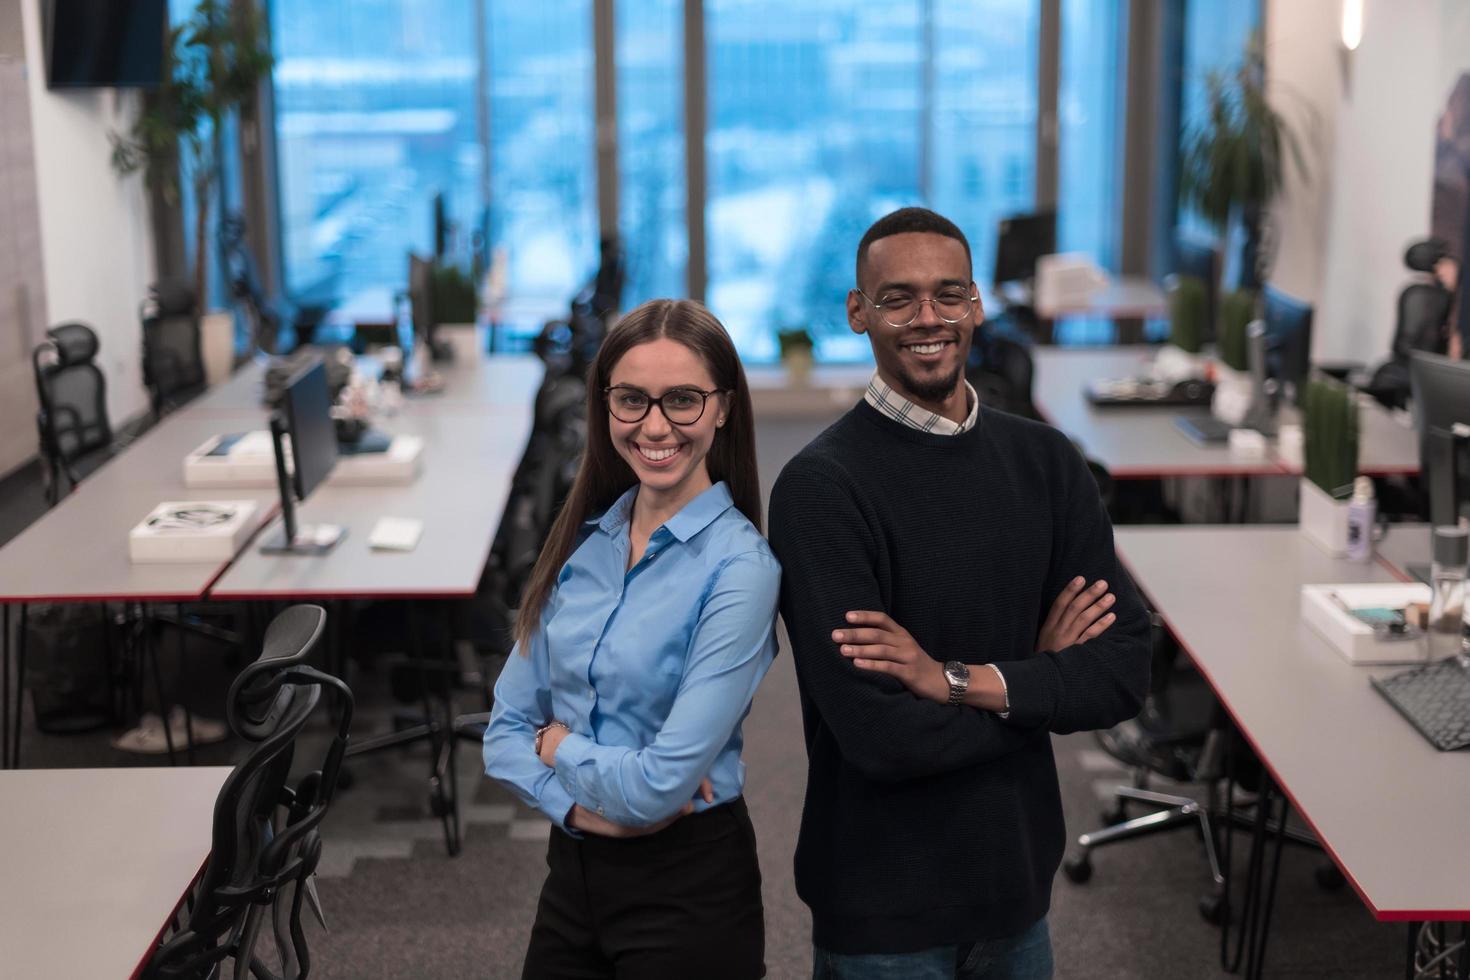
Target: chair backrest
[
  {"x": 173, "y": 358},
  {"x": 265, "y": 843},
  {"x": 1424, "y": 308},
  {"x": 1288, "y": 336},
  {"x": 72, "y": 394},
  {"x": 1002, "y": 371}
]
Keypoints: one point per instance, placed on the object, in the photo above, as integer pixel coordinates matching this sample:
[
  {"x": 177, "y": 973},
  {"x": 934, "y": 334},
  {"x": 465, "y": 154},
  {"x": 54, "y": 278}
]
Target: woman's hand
[
  {"x": 583, "y": 819},
  {"x": 550, "y": 740},
  {"x": 1077, "y": 615}
]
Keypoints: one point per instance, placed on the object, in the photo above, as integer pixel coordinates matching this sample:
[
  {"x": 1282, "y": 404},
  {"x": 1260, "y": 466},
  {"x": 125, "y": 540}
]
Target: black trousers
[{"x": 684, "y": 902}]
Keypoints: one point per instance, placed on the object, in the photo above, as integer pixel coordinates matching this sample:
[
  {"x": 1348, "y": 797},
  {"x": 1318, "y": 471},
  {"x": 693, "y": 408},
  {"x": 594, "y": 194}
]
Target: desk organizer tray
[
  {"x": 1353, "y": 638},
  {"x": 1435, "y": 699}
]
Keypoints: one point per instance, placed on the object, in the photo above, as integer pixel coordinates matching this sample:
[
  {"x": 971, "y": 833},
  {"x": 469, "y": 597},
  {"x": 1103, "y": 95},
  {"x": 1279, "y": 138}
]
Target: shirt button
[{"x": 599, "y": 811}]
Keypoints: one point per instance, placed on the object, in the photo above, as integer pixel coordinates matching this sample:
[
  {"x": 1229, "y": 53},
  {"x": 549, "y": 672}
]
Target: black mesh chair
[
  {"x": 71, "y": 391},
  {"x": 1001, "y": 368},
  {"x": 266, "y": 845},
  {"x": 173, "y": 361}
]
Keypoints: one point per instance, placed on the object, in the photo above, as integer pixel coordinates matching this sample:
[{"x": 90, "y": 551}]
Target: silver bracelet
[
  {"x": 1005, "y": 692},
  {"x": 541, "y": 733}
]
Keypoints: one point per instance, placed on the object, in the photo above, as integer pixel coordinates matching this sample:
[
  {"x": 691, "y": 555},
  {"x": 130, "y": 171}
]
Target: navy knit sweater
[{"x": 926, "y": 824}]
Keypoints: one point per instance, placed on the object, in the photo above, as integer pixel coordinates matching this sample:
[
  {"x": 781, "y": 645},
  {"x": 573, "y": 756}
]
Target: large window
[
  {"x": 819, "y": 117},
  {"x": 543, "y": 203},
  {"x": 823, "y": 117},
  {"x": 1215, "y": 36},
  {"x": 375, "y": 116},
  {"x": 1089, "y": 190},
  {"x": 984, "y": 136},
  {"x": 651, "y": 199}
]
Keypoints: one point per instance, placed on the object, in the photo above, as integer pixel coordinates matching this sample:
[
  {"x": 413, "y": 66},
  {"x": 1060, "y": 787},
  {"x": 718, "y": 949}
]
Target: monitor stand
[
  {"x": 288, "y": 538},
  {"x": 310, "y": 539}
]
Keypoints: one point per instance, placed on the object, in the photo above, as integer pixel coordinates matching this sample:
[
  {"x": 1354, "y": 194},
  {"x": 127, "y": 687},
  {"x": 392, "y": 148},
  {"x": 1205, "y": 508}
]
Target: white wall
[
  {"x": 96, "y": 240},
  {"x": 1377, "y": 108}
]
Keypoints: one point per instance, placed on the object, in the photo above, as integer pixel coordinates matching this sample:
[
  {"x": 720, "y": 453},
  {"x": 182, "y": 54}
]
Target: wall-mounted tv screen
[{"x": 104, "y": 43}]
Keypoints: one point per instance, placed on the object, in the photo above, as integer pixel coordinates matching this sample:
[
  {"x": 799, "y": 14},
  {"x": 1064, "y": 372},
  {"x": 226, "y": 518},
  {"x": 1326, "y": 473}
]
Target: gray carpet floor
[{"x": 398, "y": 907}]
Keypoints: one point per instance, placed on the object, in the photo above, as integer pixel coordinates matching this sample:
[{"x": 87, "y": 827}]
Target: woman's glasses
[{"x": 681, "y": 406}]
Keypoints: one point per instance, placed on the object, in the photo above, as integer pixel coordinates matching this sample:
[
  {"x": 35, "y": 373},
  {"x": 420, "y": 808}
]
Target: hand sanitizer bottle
[{"x": 1361, "y": 516}]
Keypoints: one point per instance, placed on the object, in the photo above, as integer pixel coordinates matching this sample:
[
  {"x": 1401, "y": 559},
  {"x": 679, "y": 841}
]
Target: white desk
[
  {"x": 1391, "y": 810},
  {"x": 1145, "y": 443},
  {"x": 95, "y": 862}
]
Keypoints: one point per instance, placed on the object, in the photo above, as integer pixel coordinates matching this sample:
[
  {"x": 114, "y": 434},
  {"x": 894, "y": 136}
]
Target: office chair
[
  {"x": 1182, "y": 734},
  {"x": 1288, "y": 337},
  {"x": 72, "y": 394},
  {"x": 603, "y": 294},
  {"x": 1001, "y": 368},
  {"x": 266, "y": 845},
  {"x": 1422, "y": 324},
  {"x": 173, "y": 360}
]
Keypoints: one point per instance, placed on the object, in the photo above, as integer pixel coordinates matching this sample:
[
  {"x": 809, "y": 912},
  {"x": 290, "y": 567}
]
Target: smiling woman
[{"x": 619, "y": 714}]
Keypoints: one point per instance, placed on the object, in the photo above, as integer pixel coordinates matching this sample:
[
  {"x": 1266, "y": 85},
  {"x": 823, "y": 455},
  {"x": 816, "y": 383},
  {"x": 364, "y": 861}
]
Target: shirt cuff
[
  {"x": 556, "y": 803},
  {"x": 571, "y": 753},
  {"x": 1005, "y": 692}
]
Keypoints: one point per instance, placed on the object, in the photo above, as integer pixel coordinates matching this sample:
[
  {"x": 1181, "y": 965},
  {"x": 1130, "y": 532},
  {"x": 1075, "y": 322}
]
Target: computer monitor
[
  {"x": 1020, "y": 241},
  {"x": 1288, "y": 337},
  {"x": 305, "y": 414},
  {"x": 1441, "y": 391}
]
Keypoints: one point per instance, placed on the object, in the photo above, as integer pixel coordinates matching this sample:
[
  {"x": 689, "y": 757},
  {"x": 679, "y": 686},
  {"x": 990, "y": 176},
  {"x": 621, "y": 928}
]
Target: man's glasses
[
  {"x": 681, "y": 406},
  {"x": 898, "y": 308}
]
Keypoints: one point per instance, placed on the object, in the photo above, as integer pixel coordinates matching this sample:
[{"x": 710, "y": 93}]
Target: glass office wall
[
  {"x": 823, "y": 117},
  {"x": 813, "y": 132},
  {"x": 1089, "y": 140},
  {"x": 984, "y": 142},
  {"x": 543, "y": 193},
  {"x": 651, "y": 198},
  {"x": 375, "y": 116}
]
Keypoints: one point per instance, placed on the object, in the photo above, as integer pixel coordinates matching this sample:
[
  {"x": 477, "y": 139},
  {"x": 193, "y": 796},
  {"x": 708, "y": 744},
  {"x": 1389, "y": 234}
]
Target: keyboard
[
  {"x": 1435, "y": 699},
  {"x": 1204, "y": 429},
  {"x": 1111, "y": 392}
]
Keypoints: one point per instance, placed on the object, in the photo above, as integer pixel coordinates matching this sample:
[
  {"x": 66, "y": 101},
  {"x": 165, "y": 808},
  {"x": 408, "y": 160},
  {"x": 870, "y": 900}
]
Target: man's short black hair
[{"x": 906, "y": 220}]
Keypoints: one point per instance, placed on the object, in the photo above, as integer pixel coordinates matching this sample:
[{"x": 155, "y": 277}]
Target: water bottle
[
  {"x": 1362, "y": 514},
  {"x": 1447, "y": 604}
]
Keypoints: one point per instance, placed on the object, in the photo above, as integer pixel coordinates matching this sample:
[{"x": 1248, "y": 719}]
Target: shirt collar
[
  {"x": 884, "y": 398},
  {"x": 692, "y": 518}
]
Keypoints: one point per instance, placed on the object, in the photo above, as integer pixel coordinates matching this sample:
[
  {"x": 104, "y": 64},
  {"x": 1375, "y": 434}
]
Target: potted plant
[
  {"x": 1330, "y": 452},
  {"x": 1232, "y": 380},
  {"x": 1234, "y": 159},
  {"x": 214, "y": 64},
  {"x": 1188, "y": 310},
  {"x": 796, "y": 346}
]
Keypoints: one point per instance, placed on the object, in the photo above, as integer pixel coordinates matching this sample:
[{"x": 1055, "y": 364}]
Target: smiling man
[{"x": 924, "y": 538}]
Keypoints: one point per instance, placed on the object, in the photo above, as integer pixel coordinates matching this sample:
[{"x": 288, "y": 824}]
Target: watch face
[{"x": 956, "y": 672}]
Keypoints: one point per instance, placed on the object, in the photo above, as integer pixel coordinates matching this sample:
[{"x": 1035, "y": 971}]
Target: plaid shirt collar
[{"x": 882, "y": 397}]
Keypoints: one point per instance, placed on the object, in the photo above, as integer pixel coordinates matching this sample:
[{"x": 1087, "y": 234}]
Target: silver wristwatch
[{"x": 958, "y": 675}]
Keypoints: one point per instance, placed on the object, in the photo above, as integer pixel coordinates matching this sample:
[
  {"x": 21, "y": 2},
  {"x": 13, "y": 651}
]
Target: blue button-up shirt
[{"x": 652, "y": 668}]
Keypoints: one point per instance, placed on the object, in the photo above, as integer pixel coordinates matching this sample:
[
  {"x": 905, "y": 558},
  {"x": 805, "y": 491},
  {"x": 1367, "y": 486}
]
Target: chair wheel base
[{"x": 1077, "y": 868}]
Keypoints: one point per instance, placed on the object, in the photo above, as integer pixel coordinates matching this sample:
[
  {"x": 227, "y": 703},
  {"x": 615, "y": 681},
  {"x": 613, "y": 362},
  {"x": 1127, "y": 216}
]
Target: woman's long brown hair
[{"x": 604, "y": 476}]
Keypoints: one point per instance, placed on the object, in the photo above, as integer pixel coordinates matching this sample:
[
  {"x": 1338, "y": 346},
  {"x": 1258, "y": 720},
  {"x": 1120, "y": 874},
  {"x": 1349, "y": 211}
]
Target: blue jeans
[{"x": 1023, "y": 957}]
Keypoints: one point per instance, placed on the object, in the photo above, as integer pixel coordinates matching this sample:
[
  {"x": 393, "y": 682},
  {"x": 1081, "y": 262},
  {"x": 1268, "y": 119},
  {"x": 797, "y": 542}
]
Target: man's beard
[{"x": 930, "y": 391}]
